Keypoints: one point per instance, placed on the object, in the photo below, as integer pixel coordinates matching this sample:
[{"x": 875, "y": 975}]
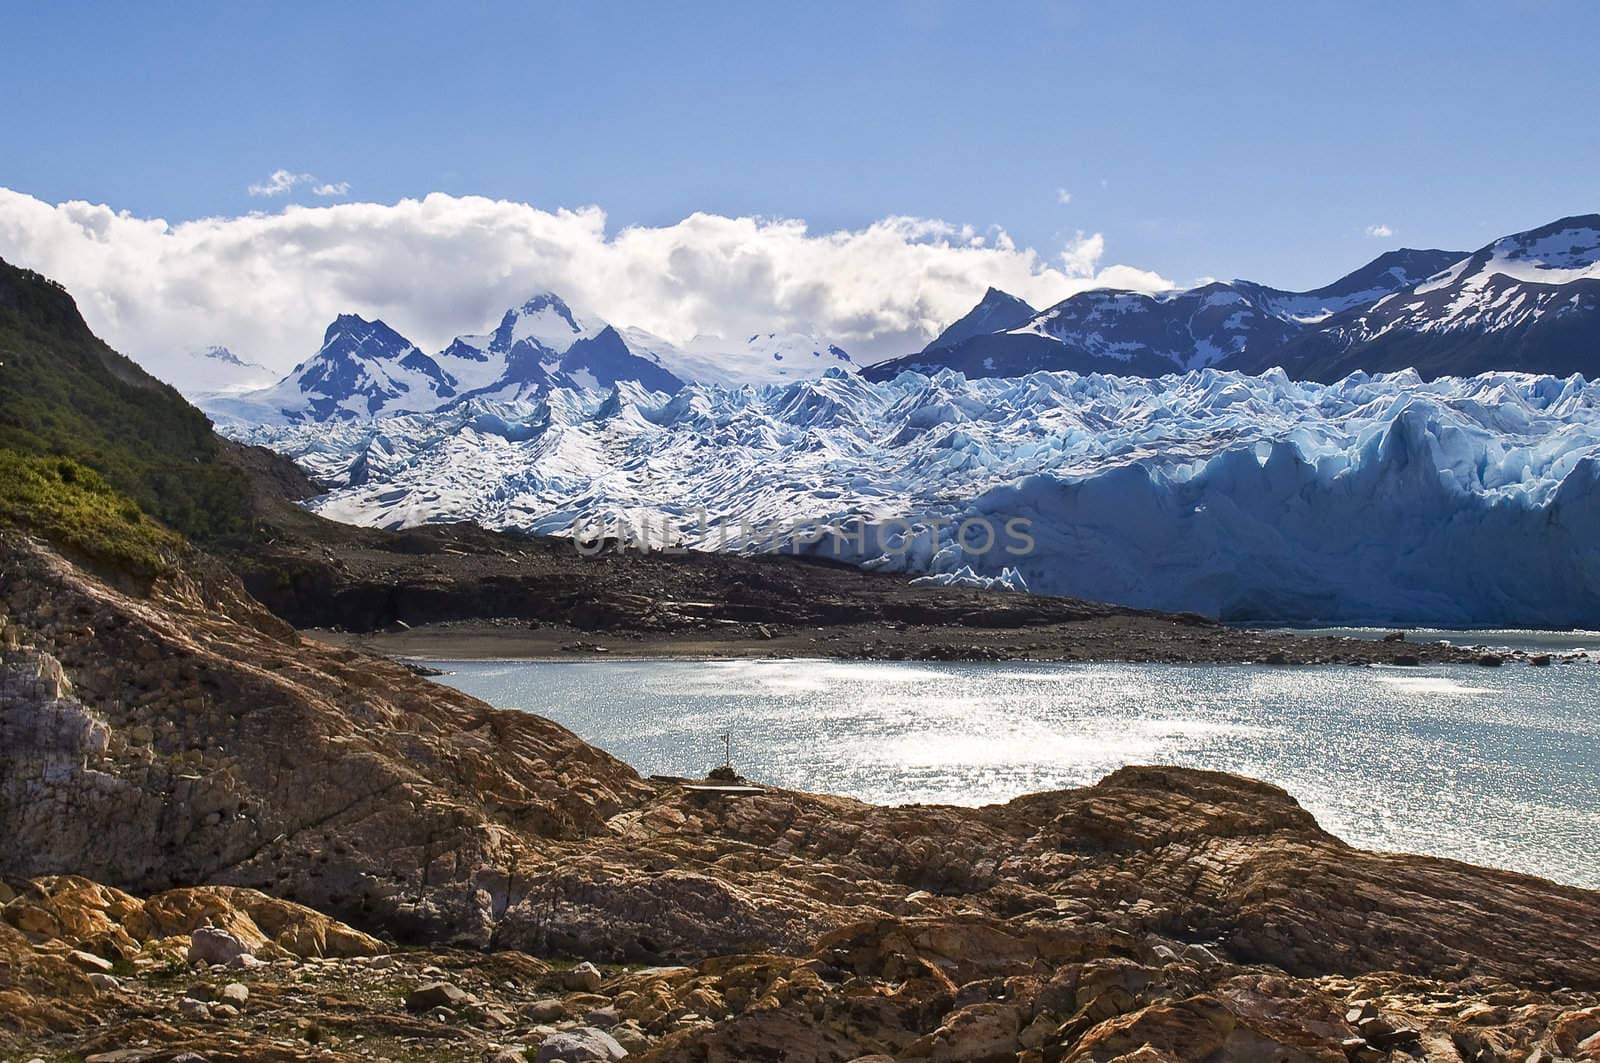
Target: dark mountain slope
[
  {"x": 1528, "y": 302},
  {"x": 1237, "y": 324},
  {"x": 64, "y": 393},
  {"x": 997, "y": 311}
]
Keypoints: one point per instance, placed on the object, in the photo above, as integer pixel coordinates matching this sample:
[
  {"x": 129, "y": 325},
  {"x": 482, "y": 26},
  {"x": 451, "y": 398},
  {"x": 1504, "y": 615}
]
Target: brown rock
[
  {"x": 436, "y": 995},
  {"x": 1573, "y": 1028},
  {"x": 975, "y": 1033}
]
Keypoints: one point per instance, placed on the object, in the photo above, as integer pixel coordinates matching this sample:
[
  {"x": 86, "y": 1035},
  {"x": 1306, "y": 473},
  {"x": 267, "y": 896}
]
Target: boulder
[
  {"x": 88, "y": 962},
  {"x": 585, "y": 978},
  {"x": 1573, "y": 1028},
  {"x": 548, "y": 1010},
  {"x": 582, "y": 1045},
  {"x": 631, "y": 1036},
  {"x": 191, "y": 1008},
  {"x": 436, "y": 995},
  {"x": 210, "y": 944}
]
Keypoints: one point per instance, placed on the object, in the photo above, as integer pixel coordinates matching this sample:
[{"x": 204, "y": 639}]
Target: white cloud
[
  {"x": 279, "y": 183},
  {"x": 266, "y": 285},
  {"x": 1063, "y": 196},
  {"x": 1081, "y": 257},
  {"x": 1380, "y": 231},
  {"x": 282, "y": 182}
]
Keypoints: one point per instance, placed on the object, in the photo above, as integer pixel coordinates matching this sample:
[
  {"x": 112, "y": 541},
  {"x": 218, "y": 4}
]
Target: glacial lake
[{"x": 1496, "y": 766}]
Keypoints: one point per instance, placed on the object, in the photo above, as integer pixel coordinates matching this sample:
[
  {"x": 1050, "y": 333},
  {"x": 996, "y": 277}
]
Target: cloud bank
[{"x": 266, "y": 285}]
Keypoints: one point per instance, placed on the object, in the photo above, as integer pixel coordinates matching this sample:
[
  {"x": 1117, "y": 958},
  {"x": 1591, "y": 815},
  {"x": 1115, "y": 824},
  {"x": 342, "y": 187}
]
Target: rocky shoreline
[
  {"x": 459, "y": 592},
  {"x": 1134, "y": 640},
  {"x": 421, "y": 876}
]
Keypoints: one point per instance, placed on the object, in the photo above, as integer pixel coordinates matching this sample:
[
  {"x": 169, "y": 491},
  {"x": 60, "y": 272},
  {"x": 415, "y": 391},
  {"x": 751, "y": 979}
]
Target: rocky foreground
[{"x": 324, "y": 855}]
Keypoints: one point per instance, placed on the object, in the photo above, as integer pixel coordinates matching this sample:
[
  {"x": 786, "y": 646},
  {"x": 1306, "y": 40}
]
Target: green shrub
[{"x": 74, "y": 507}]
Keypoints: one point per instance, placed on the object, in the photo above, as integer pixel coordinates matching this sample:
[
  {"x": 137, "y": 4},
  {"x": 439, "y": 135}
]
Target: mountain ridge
[
  {"x": 1148, "y": 334},
  {"x": 1529, "y": 302},
  {"x": 365, "y": 368}
]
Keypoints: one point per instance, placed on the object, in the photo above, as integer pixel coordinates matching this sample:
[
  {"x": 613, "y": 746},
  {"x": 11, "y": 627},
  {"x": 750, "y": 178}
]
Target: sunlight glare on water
[{"x": 1494, "y": 766}]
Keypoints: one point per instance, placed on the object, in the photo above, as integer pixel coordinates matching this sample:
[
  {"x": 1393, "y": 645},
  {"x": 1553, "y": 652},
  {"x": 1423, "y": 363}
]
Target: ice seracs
[{"x": 1377, "y": 498}]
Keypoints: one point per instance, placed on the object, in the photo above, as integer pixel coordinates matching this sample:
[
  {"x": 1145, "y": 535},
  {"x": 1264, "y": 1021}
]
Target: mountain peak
[
  {"x": 1390, "y": 271},
  {"x": 545, "y": 301},
  {"x": 218, "y": 353},
  {"x": 353, "y": 336},
  {"x": 547, "y": 306},
  {"x": 997, "y": 311}
]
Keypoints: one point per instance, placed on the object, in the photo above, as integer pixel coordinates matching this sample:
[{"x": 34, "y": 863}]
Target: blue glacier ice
[{"x": 1377, "y": 498}]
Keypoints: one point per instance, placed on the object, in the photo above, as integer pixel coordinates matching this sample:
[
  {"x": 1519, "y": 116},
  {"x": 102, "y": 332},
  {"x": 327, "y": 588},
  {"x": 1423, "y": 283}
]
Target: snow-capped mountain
[
  {"x": 1529, "y": 301},
  {"x": 528, "y": 337},
  {"x": 1125, "y": 332},
  {"x": 761, "y": 358},
  {"x": 542, "y": 344},
  {"x": 366, "y": 369},
  {"x": 363, "y": 368},
  {"x": 209, "y": 371},
  {"x": 1377, "y": 499}
]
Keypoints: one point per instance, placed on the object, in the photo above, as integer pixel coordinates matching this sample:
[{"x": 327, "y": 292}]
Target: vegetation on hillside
[
  {"x": 71, "y": 505},
  {"x": 65, "y": 394}
]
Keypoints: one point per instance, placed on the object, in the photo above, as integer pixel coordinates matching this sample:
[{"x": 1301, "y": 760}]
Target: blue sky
[
  {"x": 1066, "y": 145},
  {"x": 1201, "y": 139}
]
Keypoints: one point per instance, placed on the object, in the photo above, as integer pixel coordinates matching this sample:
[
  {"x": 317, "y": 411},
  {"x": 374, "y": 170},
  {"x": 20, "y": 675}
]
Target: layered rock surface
[{"x": 190, "y": 739}]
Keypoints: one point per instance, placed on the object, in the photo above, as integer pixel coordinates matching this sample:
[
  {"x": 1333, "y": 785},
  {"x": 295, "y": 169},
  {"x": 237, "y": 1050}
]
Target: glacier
[{"x": 1382, "y": 499}]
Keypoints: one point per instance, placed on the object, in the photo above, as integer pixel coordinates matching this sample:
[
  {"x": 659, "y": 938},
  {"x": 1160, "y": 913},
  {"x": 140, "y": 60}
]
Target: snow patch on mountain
[
  {"x": 762, "y": 358},
  {"x": 1528, "y": 301}
]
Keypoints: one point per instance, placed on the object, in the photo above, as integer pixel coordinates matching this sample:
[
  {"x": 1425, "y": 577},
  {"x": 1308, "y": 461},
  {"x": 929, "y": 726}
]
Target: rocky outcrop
[
  {"x": 188, "y": 739},
  {"x": 225, "y": 749},
  {"x": 954, "y": 990},
  {"x": 117, "y": 925}
]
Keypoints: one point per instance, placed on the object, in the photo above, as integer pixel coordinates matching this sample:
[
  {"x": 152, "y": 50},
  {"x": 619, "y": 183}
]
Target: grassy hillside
[
  {"x": 72, "y": 506},
  {"x": 65, "y": 394}
]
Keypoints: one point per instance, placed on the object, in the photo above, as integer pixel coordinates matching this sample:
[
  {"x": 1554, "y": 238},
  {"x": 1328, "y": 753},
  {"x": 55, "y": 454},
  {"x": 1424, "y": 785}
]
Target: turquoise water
[{"x": 1497, "y": 766}]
